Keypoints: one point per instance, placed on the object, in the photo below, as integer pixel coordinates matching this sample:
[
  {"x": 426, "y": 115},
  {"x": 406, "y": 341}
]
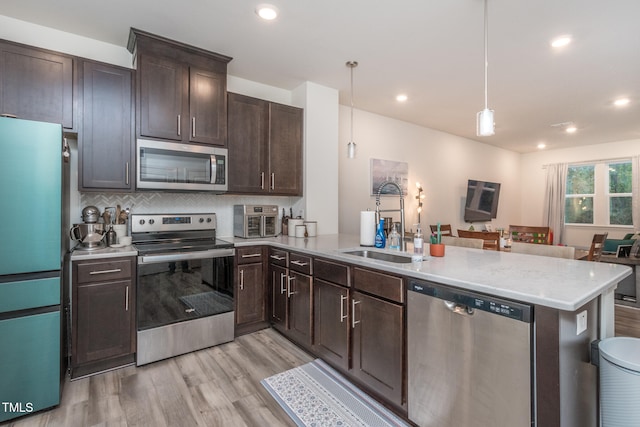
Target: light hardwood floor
[
  {"x": 219, "y": 386},
  {"x": 627, "y": 321}
]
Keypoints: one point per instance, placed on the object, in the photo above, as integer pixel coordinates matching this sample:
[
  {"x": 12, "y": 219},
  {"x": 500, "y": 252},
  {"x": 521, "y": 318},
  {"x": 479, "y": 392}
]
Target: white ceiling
[{"x": 430, "y": 50}]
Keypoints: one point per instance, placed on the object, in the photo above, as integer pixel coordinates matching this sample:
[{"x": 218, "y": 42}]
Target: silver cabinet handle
[
  {"x": 115, "y": 270},
  {"x": 242, "y": 280},
  {"x": 262, "y": 180},
  {"x": 299, "y": 263},
  {"x": 354, "y": 322},
  {"x": 343, "y": 316},
  {"x": 276, "y": 257},
  {"x": 282, "y": 288},
  {"x": 126, "y": 299},
  {"x": 273, "y": 181},
  {"x": 252, "y": 256},
  {"x": 289, "y": 280},
  {"x": 193, "y": 126},
  {"x": 126, "y": 173},
  {"x": 179, "y": 124}
]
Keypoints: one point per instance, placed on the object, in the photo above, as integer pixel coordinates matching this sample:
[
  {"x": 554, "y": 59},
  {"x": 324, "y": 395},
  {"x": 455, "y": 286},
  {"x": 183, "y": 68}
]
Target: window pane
[
  {"x": 620, "y": 211},
  {"x": 578, "y": 210},
  {"x": 620, "y": 178},
  {"x": 580, "y": 179}
]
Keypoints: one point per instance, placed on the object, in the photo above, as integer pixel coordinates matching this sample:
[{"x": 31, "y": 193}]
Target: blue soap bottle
[{"x": 380, "y": 239}]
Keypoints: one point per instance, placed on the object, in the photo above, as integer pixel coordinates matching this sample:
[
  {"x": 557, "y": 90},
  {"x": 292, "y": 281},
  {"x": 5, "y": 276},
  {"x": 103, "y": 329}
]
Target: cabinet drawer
[
  {"x": 104, "y": 270},
  {"x": 376, "y": 283},
  {"x": 331, "y": 272},
  {"x": 250, "y": 255},
  {"x": 278, "y": 257},
  {"x": 300, "y": 263}
]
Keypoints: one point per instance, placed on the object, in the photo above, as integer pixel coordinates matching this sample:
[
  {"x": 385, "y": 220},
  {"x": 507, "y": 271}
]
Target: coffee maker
[{"x": 89, "y": 234}]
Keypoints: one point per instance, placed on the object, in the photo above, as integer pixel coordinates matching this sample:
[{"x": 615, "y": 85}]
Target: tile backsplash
[{"x": 163, "y": 202}]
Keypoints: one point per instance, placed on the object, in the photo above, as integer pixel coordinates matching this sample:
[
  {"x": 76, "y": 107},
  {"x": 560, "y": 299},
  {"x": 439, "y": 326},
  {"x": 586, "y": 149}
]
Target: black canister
[{"x": 111, "y": 236}]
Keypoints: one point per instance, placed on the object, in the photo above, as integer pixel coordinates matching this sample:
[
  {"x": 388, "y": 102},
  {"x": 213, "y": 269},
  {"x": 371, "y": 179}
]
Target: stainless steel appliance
[
  {"x": 185, "y": 285},
  {"x": 31, "y": 172},
  {"x": 469, "y": 359},
  {"x": 89, "y": 236},
  {"x": 251, "y": 221},
  {"x": 173, "y": 166}
]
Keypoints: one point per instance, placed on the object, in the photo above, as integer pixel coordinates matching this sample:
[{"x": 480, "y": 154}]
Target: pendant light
[
  {"x": 351, "y": 147},
  {"x": 485, "y": 123}
]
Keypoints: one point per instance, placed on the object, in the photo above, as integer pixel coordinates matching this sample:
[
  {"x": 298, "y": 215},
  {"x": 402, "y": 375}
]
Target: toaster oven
[{"x": 252, "y": 221}]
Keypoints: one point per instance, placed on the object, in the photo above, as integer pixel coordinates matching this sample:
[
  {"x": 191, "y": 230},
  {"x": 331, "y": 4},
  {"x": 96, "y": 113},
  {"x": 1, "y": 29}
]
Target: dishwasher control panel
[{"x": 469, "y": 301}]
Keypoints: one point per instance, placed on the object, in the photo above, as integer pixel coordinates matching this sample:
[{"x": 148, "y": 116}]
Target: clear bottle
[
  {"x": 394, "y": 238},
  {"x": 380, "y": 240},
  {"x": 418, "y": 242}
]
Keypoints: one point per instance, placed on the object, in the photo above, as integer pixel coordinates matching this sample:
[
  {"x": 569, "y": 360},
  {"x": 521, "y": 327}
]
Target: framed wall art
[{"x": 389, "y": 170}]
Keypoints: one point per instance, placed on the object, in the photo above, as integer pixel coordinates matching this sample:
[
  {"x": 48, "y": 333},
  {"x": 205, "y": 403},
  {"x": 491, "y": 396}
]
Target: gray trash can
[{"x": 620, "y": 381}]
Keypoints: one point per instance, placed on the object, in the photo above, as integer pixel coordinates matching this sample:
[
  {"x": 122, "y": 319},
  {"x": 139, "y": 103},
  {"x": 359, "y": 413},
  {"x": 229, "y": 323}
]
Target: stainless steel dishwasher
[{"x": 469, "y": 359}]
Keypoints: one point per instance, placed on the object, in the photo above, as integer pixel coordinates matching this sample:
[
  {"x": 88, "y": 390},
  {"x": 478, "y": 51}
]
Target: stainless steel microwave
[{"x": 183, "y": 167}]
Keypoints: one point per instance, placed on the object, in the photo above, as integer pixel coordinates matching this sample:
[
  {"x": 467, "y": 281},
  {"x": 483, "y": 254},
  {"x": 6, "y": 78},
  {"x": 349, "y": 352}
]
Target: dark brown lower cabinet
[
  {"x": 378, "y": 345},
  {"x": 299, "y": 308},
  {"x": 250, "y": 295},
  {"x": 331, "y": 325},
  {"x": 278, "y": 294},
  {"x": 103, "y": 315}
]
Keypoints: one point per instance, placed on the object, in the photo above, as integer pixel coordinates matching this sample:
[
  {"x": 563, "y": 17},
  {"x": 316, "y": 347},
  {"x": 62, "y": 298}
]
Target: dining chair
[
  {"x": 463, "y": 242},
  {"x": 597, "y": 243},
  {"x": 567, "y": 252},
  {"x": 445, "y": 229},
  {"x": 491, "y": 238}
]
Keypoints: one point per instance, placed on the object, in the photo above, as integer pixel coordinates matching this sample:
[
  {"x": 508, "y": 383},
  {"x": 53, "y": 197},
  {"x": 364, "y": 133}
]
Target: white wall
[
  {"x": 441, "y": 162},
  {"x": 533, "y": 178}
]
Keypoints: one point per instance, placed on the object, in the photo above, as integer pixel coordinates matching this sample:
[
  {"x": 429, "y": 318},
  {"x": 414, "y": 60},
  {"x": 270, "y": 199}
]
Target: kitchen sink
[{"x": 382, "y": 256}]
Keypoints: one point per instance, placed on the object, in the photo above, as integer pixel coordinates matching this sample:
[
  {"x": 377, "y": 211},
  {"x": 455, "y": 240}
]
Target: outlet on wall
[{"x": 581, "y": 322}]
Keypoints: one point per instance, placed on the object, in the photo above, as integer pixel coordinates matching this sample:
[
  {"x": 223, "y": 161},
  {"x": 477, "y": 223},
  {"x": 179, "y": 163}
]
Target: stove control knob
[
  {"x": 208, "y": 219},
  {"x": 201, "y": 220},
  {"x": 142, "y": 222},
  {"x": 151, "y": 222}
]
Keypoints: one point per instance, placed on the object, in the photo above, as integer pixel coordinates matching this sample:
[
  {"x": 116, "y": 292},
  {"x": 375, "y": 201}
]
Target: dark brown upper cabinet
[
  {"x": 265, "y": 147},
  {"x": 36, "y": 84},
  {"x": 105, "y": 142},
  {"x": 182, "y": 90}
]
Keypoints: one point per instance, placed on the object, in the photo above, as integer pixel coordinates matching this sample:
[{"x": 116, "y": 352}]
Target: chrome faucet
[{"x": 401, "y": 210}]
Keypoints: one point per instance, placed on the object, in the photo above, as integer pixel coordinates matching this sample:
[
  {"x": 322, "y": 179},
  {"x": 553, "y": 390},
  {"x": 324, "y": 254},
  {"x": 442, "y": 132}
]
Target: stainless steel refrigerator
[{"x": 30, "y": 266}]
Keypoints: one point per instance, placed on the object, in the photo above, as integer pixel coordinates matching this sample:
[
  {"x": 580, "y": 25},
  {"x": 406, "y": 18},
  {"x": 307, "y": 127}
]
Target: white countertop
[
  {"x": 557, "y": 283},
  {"x": 80, "y": 255}
]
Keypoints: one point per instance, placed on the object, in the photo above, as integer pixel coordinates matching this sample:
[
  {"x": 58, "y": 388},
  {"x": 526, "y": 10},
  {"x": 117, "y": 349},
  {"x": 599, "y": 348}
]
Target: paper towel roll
[{"x": 367, "y": 228}]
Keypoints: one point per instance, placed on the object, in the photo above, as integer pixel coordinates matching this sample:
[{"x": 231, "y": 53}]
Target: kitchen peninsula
[{"x": 571, "y": 303}]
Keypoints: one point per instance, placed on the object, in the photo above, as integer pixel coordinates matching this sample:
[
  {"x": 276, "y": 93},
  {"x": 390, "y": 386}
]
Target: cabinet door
[
  {"x": 207, "y": 107},
  {"x": 300, "y": 310},
  {"x": 331, "y": 322},
  {"x": 163, "y": 90},
  {"x": 106, "y": 137},
  {"x": 278, "y": 296},
  {"x": 36, "y": 84},
  {"x": 285, "y": 150},
  {"x": 250, "y": 295},
  {"x": 104, "y": 321},
  {"x": 248, "y": 132},
  {"x": 378, "y": 354}
]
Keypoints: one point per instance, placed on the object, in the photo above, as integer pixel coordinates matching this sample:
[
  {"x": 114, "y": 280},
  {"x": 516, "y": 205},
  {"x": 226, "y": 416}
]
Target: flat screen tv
[{"x": 482, "y": 201}]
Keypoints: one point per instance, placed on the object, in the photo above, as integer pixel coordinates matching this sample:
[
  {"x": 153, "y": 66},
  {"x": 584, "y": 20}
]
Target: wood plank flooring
[
  {"x": 627, "y": 321},
  {"x": 219, "y": 386}
]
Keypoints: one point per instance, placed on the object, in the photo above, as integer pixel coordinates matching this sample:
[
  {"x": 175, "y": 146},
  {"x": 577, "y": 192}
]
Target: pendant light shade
[
  {"x": 485, "y": 123},
  {"x": 351, "y": 147}
]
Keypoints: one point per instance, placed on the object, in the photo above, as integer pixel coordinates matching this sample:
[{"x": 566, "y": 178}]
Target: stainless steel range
[{"x": 185, "y": 285}]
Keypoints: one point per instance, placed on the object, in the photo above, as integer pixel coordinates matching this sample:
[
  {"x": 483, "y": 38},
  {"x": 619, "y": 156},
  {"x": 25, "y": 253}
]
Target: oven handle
[{"x": 184, "y": 256}]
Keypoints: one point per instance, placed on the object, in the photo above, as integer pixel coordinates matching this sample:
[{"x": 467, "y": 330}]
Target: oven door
[
  {"x": 252, "y": 226},
  {"x": 176, "y": 287},
  {"x": 269, "y": 225},
  {"x": 171, "y": 166}
]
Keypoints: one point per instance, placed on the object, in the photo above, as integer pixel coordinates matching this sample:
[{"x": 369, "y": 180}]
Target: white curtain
[
  {"x": 553, "y": 215},
  {"x": 635, "y": 192}
]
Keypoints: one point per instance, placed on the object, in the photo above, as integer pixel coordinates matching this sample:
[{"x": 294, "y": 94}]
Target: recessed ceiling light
[
  {"x": 571, "y": 129},
  {"x": 401, "y": 98},
  {"x": 561, "y": 41},
  {"x": 621, "y": 102},
  {"x": 541, "y": 145},
  {"x": 268, "y": 12}
]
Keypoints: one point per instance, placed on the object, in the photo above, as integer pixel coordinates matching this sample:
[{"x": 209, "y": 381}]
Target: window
[{"x": 599, "y": 194}]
